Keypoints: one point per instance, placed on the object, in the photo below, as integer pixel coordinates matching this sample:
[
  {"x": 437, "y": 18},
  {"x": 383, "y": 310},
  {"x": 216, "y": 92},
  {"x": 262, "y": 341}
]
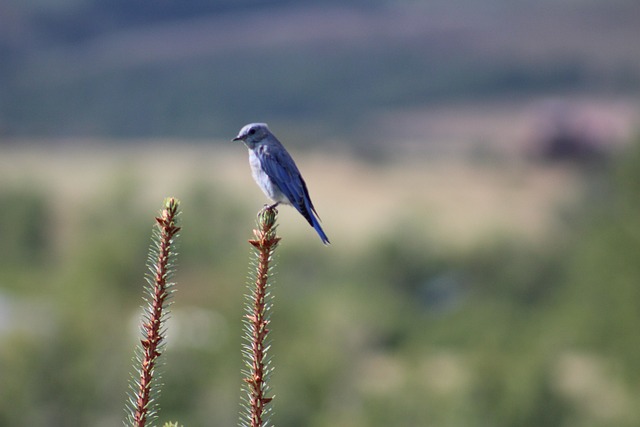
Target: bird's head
[{"x": 252, "y": 134}]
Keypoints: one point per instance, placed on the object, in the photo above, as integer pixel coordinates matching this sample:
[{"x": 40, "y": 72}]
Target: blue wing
[{"x": 283, "y": 172}]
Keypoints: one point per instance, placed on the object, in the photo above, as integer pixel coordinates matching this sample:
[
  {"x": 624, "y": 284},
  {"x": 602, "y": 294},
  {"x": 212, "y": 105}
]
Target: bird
[{"x": 276, "y": 173}]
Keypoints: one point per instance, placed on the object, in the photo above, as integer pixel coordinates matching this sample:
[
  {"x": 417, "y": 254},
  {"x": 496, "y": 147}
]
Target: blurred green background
[{"x": 476, "y": 165}]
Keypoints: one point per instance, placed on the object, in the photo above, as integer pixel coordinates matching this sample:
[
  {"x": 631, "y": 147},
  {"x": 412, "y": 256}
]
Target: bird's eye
[{"x": 252, "y": 131}]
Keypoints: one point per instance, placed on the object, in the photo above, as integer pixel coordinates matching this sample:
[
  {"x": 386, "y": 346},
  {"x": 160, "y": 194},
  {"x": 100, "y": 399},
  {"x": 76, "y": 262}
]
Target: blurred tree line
[
  {"x": 508, "y": 333},
  {"x": 121, "y": 68}
]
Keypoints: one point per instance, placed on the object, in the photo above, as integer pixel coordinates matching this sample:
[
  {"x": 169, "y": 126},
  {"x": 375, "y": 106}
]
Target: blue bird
[{"x": 276, "y": 173}]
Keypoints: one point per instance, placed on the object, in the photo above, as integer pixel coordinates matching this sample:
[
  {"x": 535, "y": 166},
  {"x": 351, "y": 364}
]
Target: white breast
[{"x": 263, "y": 180}]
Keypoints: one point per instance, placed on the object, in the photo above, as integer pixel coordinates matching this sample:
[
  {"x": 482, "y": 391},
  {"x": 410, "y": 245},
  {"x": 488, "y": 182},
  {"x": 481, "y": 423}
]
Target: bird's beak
[{"x": 237, "y": 138}]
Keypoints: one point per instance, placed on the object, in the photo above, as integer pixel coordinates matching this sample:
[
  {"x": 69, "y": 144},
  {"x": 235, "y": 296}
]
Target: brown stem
[
  {"x": 265, "y": 243},
  {"x": 153, "y": 337}
]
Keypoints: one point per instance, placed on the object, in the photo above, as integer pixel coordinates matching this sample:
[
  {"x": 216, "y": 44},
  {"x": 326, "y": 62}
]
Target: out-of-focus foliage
[
  {"x": 603, "y": 273},
  {"x": 24, "y": 229},
  {"x": 399, "y": 332}
]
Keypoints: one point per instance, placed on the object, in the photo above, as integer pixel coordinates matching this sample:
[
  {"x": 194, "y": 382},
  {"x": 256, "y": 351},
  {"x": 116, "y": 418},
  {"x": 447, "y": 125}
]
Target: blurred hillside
[{"x": 202, "y": 69}]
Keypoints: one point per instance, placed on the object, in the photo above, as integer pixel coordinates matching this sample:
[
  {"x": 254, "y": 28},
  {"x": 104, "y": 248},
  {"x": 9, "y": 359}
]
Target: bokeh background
[{"x": 475, "y": 164}]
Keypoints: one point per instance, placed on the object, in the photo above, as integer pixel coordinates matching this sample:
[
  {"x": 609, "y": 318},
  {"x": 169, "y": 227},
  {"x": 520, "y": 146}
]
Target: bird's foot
[{"x": 268, "y": 207}]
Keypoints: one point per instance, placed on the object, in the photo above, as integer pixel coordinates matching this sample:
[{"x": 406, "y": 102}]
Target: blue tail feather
[{"x": 319, "y": 230}]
